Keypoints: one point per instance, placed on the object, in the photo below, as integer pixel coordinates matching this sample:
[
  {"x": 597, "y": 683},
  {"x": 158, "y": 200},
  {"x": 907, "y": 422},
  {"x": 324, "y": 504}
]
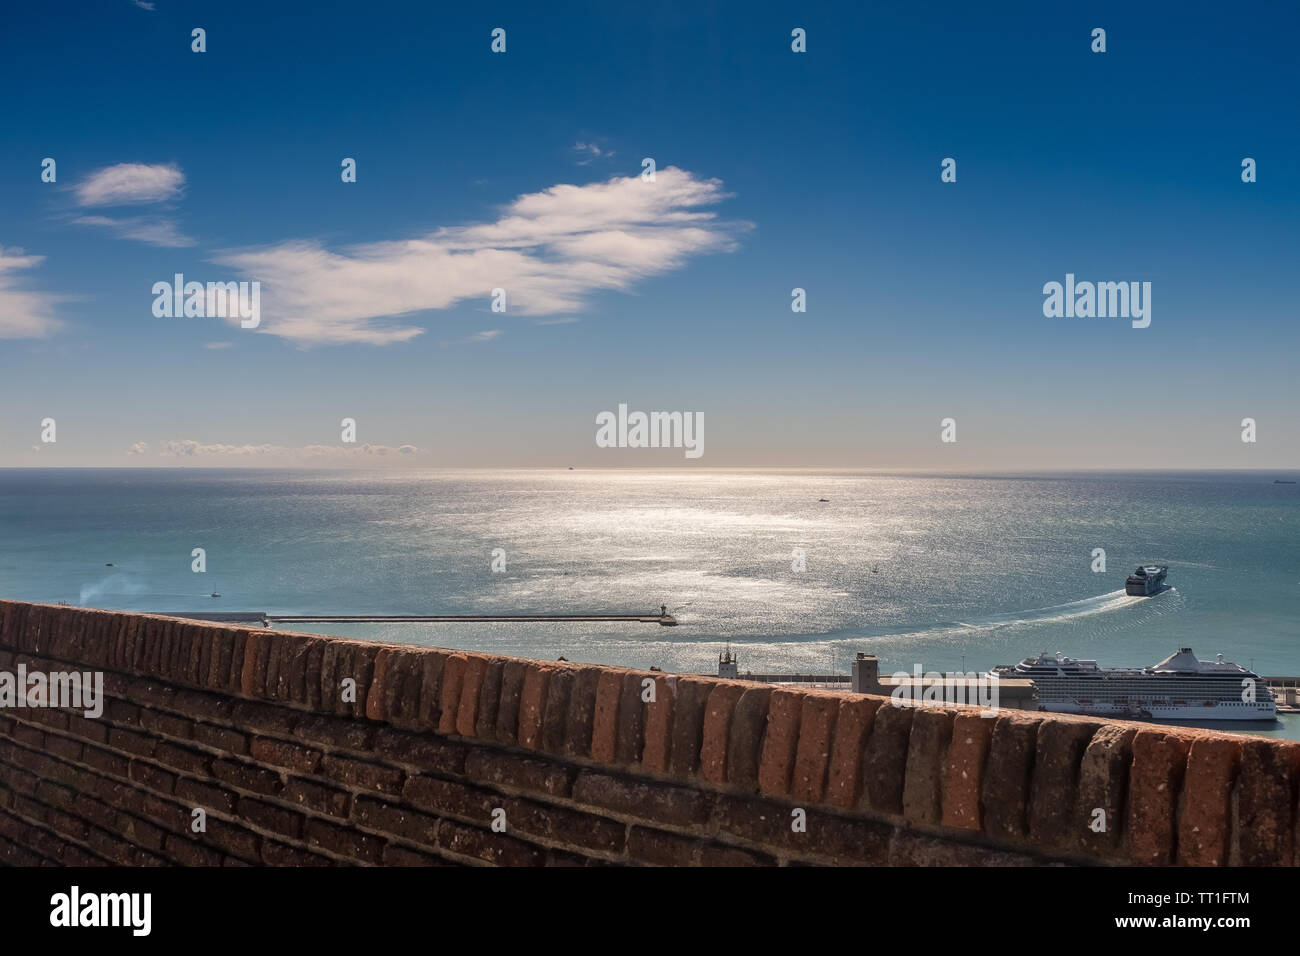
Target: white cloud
[
  {"x": 130, "y": 183},
  {"x": 217, "y": 345},
  {"x": 549, "y": 250},
  {"x": 155, "y": 231},
  {"x": 24, "y": 314},
  {"x": 485, "y": 336},
  {"x": 143, "y": 4},
  {"x": 139, "y": 448}
]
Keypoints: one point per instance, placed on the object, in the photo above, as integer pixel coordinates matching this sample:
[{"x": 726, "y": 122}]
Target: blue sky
[{"x": 776, "y": 170}]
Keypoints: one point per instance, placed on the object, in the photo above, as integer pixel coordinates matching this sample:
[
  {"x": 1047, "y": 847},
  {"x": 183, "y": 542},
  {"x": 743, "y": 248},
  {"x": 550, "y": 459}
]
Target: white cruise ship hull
[{"x": 1215, "y": 710}]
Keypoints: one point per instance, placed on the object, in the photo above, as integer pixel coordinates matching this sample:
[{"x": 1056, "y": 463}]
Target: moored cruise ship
[{"x": 1178, "y": 688}]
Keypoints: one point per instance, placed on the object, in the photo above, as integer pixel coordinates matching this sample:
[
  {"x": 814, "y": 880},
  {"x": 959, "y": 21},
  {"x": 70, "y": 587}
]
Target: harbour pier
[{"x": 262, "y": 618}]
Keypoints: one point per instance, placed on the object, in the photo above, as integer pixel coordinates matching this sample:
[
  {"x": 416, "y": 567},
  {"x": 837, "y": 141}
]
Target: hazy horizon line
[{"x": 661, "y": 468}]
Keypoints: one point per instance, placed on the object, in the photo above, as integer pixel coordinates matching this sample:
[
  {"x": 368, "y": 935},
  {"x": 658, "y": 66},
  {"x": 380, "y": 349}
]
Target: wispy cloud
[
  {"x": 549, "y": 250},
  {"x": 485, "y": 336},
  {"x": 143, "y": 4},
  {"x": 129, "y": 183},
  {"x": 156, "y": 231},
  {"x": 590, "y": 152},
  {"x": 134, "y": 184},
  {"x": 217, "y": 346},
  {"x": 24, "y": 314}
]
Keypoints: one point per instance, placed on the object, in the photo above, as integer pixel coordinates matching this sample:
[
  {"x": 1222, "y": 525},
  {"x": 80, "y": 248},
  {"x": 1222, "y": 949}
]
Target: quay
[
  {"x": 1286, "y": 692},
  {"x": 1012, "y": 693},
  {"x": 264, "y": 619}
]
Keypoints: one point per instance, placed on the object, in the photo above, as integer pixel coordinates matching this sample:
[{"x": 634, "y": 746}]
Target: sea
[{"x": 945, "y": 573}]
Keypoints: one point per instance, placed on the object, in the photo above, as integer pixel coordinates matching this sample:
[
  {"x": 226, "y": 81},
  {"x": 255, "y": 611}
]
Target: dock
[
  {"x": 1286, "y": 692},
  {"x": 263, "y": 619}
]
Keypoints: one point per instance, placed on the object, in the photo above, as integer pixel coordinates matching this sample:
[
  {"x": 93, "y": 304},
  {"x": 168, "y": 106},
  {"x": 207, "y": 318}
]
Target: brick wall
[{"x": 250, "y": 726}]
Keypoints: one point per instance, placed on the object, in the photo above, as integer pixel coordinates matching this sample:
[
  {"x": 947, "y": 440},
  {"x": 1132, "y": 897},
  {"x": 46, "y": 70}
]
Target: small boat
[
  {"x": 216, "y": 594},
  {"x": 1281, "y": 481},
  {"x": 109, "y": 565},
  {"x": 823, "y": 499}
]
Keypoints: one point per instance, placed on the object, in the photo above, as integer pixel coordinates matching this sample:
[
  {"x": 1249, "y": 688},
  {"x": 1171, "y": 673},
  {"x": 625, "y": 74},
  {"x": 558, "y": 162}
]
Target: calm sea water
[{"x": 943, "y": 572}]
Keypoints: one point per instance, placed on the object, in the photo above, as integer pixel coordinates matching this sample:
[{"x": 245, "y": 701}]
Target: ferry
[
  {"x": 1146, "y": 580},
  {"x": 1180, "y": 687}
]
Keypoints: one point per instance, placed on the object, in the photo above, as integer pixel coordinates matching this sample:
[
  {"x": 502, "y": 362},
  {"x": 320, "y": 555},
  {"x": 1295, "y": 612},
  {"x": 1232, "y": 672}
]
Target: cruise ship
[
  {"x": 1178, "y": 688},
  {"x": 1146, "y": 580}
]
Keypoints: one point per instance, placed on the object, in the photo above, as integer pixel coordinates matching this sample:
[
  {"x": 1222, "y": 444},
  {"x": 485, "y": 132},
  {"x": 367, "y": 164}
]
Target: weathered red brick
[
  {"x": 1004, "y": 793},
  {"x": 884, "y": 758},
  {"x": 1103, "y": 782},
  {"x": 344, "y": 840},
  {"x": 927, "y": 759},
  {"x": 318, "y": 797},
  {"x": 657, "y": 848},
  {"x": 473, "y": 804},
  {"x": 1058, "y": 758},
  {"x": 780, "y": 742},
  {"x": 281, "y": 753},
  {"x": 523, "y": 773},
  {"x": 532, "y": 704},
  {"x": 812, "y": 756},
  {"x": 269, "y": 816},
  {"x": 420, "y": 750},
  {"x": 1156, "y": 776},
  {"x": 569, "y": 828},
  {"x": 375, "y": 709},
  {"x": 481, "y": 844},
  {"x": 676, "y": 805},
  {"x": 399, "y": 820},
  {"x": 688, "y": 724},
  {"x": 247, "y": 776},
  {"x": 471, "y": 686},
  {"x": 1205, "y": 820},
  {"x": 257, "y": 648},
  {"x": 745, "y": 737},
  {"x": 512, "y": 684},
  {"x": 658, "y": 747},
  {"x": 489, "y": 699},
  {"x": 630, "y": 736},
  {"x": 717, "y": 731},
  {"x": 964, "y": 777},
  {"x": 604, "y": 721},
  {"x": 1263, "y": 830},
  {"x": 362, "y": 773}
]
